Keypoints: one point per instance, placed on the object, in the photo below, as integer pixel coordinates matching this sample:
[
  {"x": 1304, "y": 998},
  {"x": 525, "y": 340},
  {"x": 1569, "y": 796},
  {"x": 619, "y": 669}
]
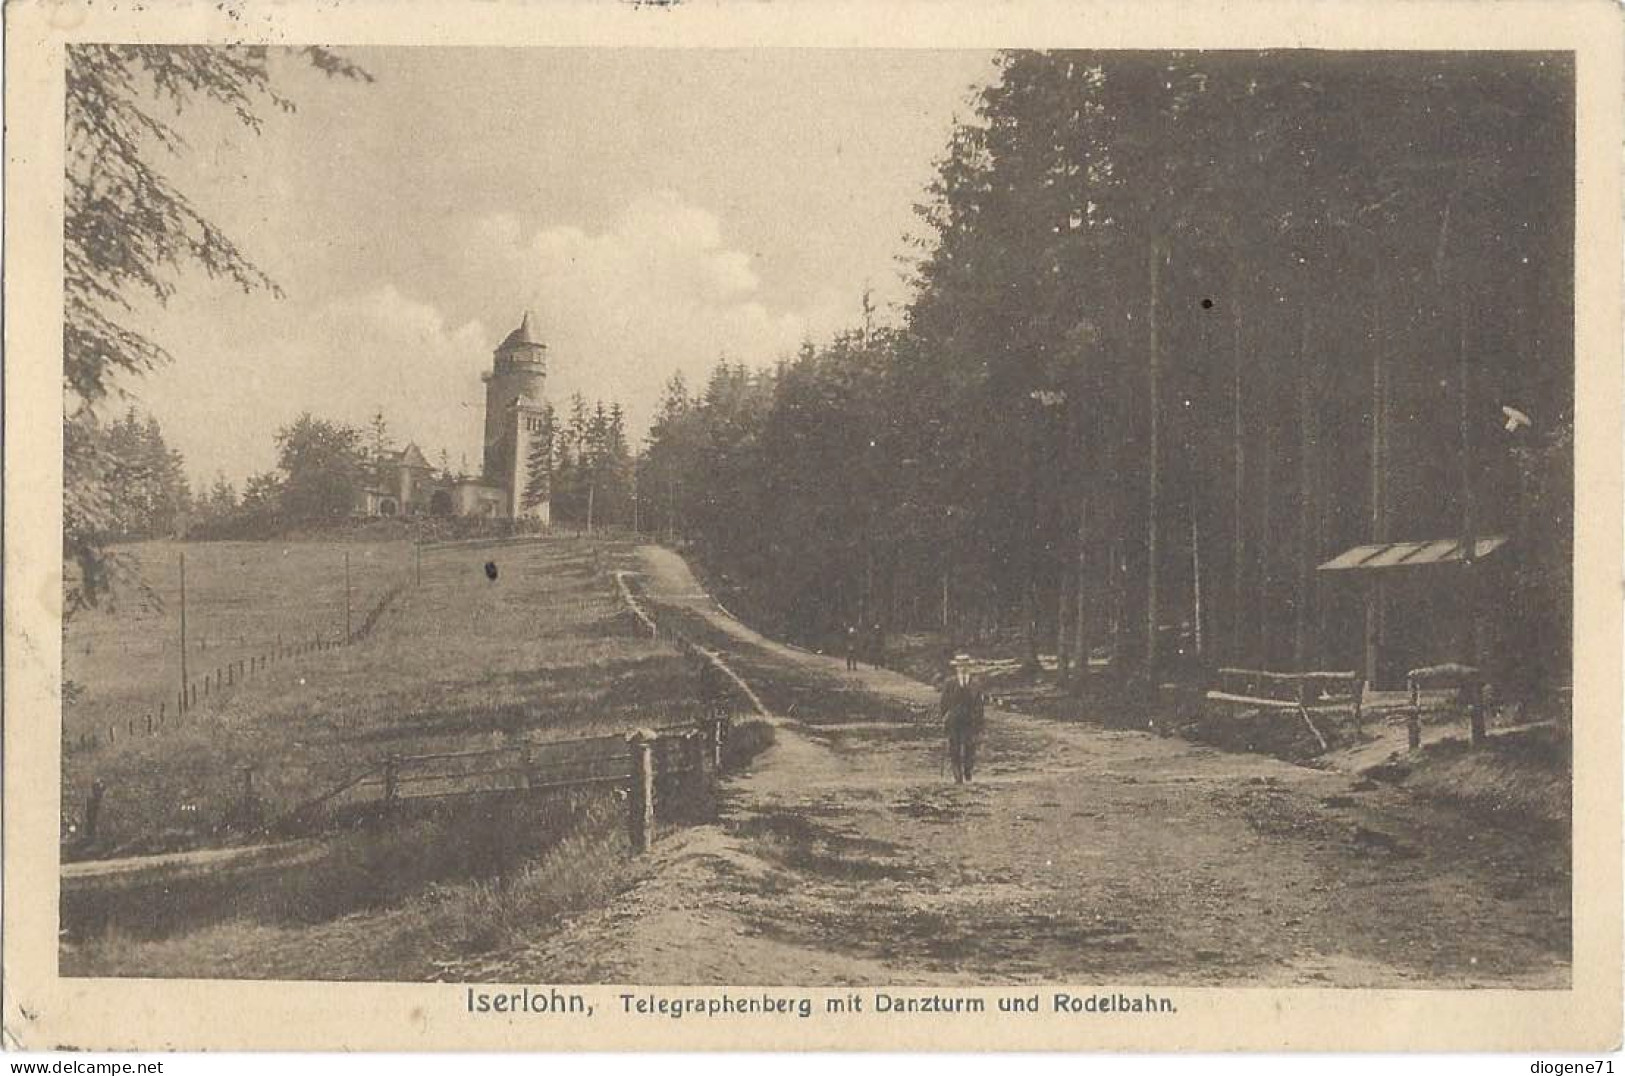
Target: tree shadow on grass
[{"x": 634, "y": 691}]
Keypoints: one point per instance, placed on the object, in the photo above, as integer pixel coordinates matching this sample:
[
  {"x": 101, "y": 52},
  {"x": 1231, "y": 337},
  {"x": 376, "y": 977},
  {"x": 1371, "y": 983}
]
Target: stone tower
[{"x": 514, "y": 410}]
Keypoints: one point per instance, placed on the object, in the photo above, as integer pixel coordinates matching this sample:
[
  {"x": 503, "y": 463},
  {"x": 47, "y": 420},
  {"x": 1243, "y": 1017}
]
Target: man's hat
[{"x": 962, "y": 659}]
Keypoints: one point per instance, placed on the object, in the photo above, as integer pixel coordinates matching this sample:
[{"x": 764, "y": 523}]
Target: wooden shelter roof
[{"x": 1382, "y": 555}]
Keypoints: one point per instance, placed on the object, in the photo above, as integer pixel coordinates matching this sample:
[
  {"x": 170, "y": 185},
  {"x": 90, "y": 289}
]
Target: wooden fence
[
  {"x": 1440, "y": 687},
  {"x": 713, "y": 661},
  {"x": 219, "y": 680},
  {"x": 1304, "y": 693},
  {"x": 648, "y": 765}
]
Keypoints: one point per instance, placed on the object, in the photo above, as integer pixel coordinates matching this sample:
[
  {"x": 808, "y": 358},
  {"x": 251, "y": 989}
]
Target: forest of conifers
[{"x": 1183, "y": 327}]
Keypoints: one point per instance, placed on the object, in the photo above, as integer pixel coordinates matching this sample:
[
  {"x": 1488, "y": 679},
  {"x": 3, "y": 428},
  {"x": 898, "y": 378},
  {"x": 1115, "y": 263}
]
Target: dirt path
[{"x": 1080, "y": 854}]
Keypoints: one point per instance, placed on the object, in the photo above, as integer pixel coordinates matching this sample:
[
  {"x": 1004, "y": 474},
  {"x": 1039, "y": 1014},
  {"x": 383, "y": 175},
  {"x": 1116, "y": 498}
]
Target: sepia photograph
[{"x": 893, "y": 522}]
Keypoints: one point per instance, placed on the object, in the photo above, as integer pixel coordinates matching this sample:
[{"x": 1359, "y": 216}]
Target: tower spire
[{"x": 524, "y": 336}]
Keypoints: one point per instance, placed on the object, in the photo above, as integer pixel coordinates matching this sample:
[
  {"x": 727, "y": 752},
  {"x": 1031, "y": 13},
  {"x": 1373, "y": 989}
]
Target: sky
[{"x": 653, "y": 209}]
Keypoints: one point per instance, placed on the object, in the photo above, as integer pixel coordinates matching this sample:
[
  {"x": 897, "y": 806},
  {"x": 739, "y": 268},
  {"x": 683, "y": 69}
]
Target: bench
[{"x": 1464, "y": 682}]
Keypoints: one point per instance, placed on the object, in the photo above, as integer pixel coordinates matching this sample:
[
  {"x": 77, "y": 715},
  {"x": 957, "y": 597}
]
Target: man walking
[
  {"x": 851, "y": 647},
  {"x": 964, "y": 714}
]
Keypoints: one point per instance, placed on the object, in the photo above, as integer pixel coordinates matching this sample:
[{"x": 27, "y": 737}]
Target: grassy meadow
[
  {"x": 241, "y": 598},
  {"x": 457, "y": 662}
]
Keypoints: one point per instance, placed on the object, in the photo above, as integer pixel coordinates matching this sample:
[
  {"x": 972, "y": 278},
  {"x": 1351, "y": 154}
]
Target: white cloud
[
  {"x": 342, "y": 359},
  {"x": 657, "y": 290},
  {"x": 404, "y": 356}
]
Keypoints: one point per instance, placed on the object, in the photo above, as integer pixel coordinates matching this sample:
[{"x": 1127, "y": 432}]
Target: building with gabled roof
[{"x": 515, "y": 476}]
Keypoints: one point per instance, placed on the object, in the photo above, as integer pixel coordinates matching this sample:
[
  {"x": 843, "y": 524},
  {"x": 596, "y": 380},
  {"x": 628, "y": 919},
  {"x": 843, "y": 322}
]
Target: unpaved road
[{"x": 1080, "y": 854}]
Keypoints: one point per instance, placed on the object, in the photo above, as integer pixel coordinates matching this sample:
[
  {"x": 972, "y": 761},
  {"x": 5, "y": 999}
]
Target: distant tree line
[
  {"x": 588, "y": 463},
  {"x": 323, "y": 467},
  {"x": 1184, "y": 325},
  {"x": 146, "y": 478}
]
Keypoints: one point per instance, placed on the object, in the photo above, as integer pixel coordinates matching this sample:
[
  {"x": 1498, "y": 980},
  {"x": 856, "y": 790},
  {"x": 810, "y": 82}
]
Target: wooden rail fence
[
  {"x": 1305, "y": 693},
  {"x": 1432, "y": 688},
  {"x": 218, "y": 680},
  {"x": 712, "y": 660},
  {"x": 649, "y": 765}
]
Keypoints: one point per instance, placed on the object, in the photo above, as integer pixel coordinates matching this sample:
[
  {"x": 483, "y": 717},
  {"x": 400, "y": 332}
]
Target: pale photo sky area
[{"x": 654, "y": 209}]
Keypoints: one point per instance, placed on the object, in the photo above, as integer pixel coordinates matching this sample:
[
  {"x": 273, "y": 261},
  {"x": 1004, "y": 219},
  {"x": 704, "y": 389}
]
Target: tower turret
[{"x": 515, "y": 381}]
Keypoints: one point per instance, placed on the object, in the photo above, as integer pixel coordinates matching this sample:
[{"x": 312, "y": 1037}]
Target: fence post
[
  {"x": 640, "y": 802},
  {"x": 162, "y": 706},
  {"x": 93, "y": 808},
  {"x": 1359, "y": 703},
  {"x": 231, "y": 675},
  {"x": 205, "y": 687},
  {"x": 699, "y": 746},
  {"x": 193, "y": 700},
  {"x": 392, "y": 780},
  {"x": 1475, "y": 709},
  {"x": 719, "y": 733},
  {"x": 149, "y": 724},
  {"x": 1413, "y": 719}
]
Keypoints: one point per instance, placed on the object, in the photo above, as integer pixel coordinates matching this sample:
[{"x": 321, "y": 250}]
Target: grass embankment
[
  {"x": 1517, "y": 776},
  {"x": 545, "y": 651},
  {"x": 408, "y": 927},
  {"x": 802, "y": 694},
  {"x": 456, "y": 663},
  {"x": 460, "y": 662}
]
